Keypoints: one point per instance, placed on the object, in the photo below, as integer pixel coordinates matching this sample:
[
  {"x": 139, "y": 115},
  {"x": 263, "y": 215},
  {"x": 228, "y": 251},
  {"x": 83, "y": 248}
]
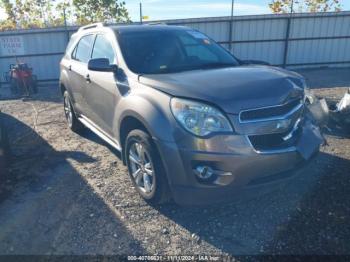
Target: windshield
[{"x": 157, "y": 52}]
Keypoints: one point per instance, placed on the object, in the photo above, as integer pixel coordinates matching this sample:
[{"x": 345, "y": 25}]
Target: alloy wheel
[
  {"x": 68, "y": 110},
  {"x": 141, "y": 168}
]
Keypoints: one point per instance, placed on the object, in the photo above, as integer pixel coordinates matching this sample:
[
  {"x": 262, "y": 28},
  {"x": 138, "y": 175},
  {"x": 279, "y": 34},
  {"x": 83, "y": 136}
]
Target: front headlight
[{"x": 198, "y": 118}]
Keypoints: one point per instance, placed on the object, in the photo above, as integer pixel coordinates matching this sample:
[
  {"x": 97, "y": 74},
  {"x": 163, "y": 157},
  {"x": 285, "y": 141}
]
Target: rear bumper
[{"x": 243, "y": 170}]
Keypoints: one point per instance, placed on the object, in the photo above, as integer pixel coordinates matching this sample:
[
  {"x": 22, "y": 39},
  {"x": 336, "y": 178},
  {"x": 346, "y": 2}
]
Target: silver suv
[{"x": 192, "y": 122}]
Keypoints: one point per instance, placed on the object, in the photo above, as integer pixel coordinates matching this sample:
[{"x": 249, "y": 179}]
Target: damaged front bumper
[{"x": 238, "y": 167}]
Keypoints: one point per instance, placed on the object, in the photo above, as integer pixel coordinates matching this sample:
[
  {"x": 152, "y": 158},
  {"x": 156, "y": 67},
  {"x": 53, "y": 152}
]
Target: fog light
[{"x": 204, "y": 172}]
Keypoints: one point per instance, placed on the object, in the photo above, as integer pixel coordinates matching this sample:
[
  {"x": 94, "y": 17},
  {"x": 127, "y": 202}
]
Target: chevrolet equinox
[{"x": 191, "y": 121}]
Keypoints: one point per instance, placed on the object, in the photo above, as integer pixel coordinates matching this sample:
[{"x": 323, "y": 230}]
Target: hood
[{"x": 232, "y": 89}]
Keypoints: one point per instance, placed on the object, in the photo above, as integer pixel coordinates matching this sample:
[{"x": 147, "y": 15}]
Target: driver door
[{"x": 101, "y": 92}]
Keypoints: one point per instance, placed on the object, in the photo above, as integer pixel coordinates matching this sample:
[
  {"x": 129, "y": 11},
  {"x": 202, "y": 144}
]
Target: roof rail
[
  {"x": 91, "y": 26},
  {"x": 156, "y": 23}
]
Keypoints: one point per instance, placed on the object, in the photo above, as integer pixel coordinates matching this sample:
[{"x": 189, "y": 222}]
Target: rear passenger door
[
  {"x": 101, "y": 93},
  {"x": 78, "y": 71}
]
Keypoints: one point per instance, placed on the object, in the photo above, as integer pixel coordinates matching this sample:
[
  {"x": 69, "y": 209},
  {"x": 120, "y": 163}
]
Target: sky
[{"x": 166, "y": 9}]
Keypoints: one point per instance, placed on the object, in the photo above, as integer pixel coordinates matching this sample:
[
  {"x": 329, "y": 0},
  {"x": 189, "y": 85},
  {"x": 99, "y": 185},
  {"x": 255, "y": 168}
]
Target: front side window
[
  {"x": 82, "y": 51},
  {"x": 103, "y": 49},
  {"x": 168, "y": 51}
]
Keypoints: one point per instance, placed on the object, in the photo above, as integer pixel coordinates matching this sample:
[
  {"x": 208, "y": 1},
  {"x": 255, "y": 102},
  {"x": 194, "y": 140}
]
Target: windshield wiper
[
  {"x": 179, "y": 69},
  {"x": 216, "y": 65}
]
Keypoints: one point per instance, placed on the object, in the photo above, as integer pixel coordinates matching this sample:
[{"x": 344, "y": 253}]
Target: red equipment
[{"x": 21, "y": 78}]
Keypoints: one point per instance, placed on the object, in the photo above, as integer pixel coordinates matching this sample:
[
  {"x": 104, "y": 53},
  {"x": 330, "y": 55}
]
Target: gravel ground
[{"x": 70, "y": 194}]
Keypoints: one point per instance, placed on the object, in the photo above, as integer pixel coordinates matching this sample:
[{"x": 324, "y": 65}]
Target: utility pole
[
  {"x": 140, "y": 13},
  {"x": 232, "y": 7},
  {"x": 286, "y": 41},
  {"x": 65, "y": 23},
  {"x": 231, "y": 26}
]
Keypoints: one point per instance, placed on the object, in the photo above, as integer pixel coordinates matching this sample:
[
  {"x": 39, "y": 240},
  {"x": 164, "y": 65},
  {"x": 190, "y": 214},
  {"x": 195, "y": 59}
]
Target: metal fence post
[
  {"x": 230, "y": 36},
  {"x": 65, "y": 25},
  {"x": 286, "y": 42},
  {"x": 230, "y": 27}
]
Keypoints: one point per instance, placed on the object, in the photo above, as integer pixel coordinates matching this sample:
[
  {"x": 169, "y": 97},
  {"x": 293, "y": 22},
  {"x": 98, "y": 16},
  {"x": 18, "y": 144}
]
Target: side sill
[{"x": 94, "y": 128}]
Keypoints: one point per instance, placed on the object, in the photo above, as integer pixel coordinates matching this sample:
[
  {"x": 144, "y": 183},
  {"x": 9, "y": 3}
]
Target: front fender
[{"x": 151, "y": 107}]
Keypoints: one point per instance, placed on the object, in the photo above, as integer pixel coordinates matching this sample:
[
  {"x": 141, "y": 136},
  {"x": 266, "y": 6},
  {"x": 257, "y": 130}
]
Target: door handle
[
  {"x": 87, "y": 78},
  {"x": 70, "y": 68}
]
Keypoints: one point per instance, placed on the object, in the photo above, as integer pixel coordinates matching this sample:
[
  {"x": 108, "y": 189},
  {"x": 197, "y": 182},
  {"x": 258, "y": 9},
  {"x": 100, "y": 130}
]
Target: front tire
[
  {"x": 73, "y": 122},
  {"x": 145, "y": 168}
]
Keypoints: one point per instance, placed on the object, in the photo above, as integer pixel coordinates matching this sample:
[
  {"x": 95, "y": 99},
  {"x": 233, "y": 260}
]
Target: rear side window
[
  {"x": 103, "y": 49},
  {"x": 70, "y": 44},
  {"x": 82, "y": 51}
]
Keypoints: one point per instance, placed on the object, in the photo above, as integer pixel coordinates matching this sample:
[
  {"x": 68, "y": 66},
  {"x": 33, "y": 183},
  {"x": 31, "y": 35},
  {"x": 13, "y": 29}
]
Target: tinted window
[
  {"x": 201, "y": 53},
  {"x": 70, "y": 44},
  {"x": 74, "y": 53},
  {"x": 103, "y": 49},
  {"x": 83, "y": 49},
  {"x": 196, "y": 50},
  {"x": 165, "y": 51}
]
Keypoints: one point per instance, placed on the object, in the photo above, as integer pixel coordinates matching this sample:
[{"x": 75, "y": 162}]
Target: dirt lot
[{"x": 70, "y": 194}]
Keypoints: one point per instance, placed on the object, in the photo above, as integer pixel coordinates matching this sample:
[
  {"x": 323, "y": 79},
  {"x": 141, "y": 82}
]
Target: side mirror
[
  {"x": 101, "y": 64},
  {"x": 254, "y": 62}
]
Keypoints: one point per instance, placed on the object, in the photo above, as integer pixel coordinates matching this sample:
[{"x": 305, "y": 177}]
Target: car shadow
[
  {"x": 287, "y": 215},
  {"x": 320, "y": 225},
  {"x": 50, "y": 209},
  {"x": 88, "y": 134}
]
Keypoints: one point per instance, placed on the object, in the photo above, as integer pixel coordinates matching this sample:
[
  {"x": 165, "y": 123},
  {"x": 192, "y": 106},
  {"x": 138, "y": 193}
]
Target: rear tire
[
  {"x": 73, "y": 122},
  {"x": 145, "y": 168}
]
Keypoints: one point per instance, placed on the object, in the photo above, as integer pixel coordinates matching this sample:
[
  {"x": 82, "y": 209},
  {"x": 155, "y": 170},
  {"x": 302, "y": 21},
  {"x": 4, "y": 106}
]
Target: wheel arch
[
  {"x": 128, "y": 123},
  {"x": 63, "y": 80},
  {"x": 150, "y": 113},
  {"x": 62, "y": 88},
  {"x": 132, "y": 122}
]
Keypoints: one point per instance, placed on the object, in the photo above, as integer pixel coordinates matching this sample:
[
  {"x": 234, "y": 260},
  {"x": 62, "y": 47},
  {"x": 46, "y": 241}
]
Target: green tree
[
  {"x": 35, "y": 13},
  {"x": 10, "y": 22},
  {"x": 64, "y": 11},
  {"x": 27, "y": 13},
  {"x": 285, "y": 6},
  {"x": 89, "y": 11}
]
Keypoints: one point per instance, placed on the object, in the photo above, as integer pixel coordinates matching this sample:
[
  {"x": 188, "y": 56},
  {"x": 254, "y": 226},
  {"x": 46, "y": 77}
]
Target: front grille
[
  {"x": 275, "y": 141},
  {"x": 269, "y": 112}
]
